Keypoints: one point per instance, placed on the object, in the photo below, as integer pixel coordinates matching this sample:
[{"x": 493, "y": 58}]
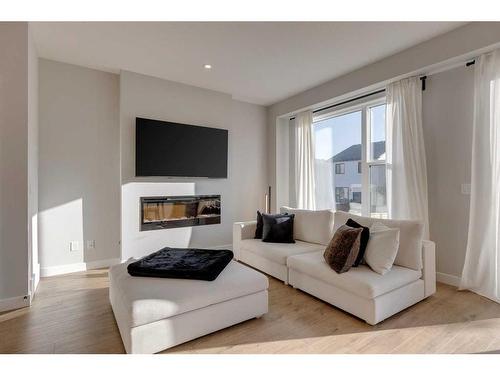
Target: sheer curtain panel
[
  {"x": 406, "y": 168},
  {"x": 304, "y": 161},
  {"x": 481, "y": 272}
]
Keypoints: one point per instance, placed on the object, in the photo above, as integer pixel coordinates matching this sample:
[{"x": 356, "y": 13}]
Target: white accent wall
[
  {"x": 88, "y": 190},
  {"x": 79, "y": 175},
  {"x": 242, "y": 193}
]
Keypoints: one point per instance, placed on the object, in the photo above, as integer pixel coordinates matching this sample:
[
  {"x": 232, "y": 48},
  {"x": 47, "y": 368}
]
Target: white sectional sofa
[{"x": 360, "y": 291}]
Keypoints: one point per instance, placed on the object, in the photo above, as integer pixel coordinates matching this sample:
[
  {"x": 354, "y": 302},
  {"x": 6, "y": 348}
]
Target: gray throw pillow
[{"x": 343, "y": 249}]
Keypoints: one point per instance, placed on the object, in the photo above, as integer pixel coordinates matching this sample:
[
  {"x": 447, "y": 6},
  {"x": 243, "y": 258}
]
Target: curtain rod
[
  {"x": 346, "y": 101},
  {"x": 422, "y": 79}
]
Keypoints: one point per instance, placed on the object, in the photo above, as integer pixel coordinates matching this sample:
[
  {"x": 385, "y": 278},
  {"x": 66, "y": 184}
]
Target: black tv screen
[{"x": 180, "y": 150}]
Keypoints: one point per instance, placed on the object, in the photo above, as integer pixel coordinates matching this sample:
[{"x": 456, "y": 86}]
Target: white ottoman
[{"x": 154, "y": 314}]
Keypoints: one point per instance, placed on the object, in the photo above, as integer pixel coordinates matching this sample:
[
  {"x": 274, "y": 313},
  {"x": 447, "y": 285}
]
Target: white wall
[
  {"x": 447, "y": 119},
  {"x": 242, "y": 192},
  {"x": 14, "y": 100},
  {"x": 34, "y": 264},
  {"x": 87, "y": 124},
  {"x": 79, "y": 175}
]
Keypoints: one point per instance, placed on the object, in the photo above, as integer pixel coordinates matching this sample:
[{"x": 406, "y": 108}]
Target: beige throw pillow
[{"x": 382, "y": 248}]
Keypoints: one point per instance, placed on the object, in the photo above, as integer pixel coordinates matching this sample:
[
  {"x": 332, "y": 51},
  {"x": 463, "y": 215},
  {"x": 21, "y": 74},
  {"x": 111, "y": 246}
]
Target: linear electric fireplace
[{"x": 179, "y": 211}]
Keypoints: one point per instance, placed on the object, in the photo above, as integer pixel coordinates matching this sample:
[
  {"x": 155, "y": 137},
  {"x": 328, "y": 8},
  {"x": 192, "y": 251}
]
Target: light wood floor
[{"x": 71, "y": 314}]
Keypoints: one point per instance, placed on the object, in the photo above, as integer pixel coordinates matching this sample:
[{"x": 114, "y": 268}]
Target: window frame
[{"x": 364, "y": 107}]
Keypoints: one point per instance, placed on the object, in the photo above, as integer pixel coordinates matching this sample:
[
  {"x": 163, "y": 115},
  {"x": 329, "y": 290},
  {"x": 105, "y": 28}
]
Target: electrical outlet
[
  {"x": 90, "y": 244},
  {"x": 74, "y": 246},
  {"x": 465, "y": 189}
]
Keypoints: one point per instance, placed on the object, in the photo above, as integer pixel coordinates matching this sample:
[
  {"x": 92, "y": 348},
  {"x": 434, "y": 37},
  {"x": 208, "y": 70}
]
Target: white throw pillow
[{"x": 382, "y": 248}]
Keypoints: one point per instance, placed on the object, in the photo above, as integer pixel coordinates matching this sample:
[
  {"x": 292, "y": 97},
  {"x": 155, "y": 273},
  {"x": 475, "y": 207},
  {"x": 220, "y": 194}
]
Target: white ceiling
[{"x": 261, "y": 63}]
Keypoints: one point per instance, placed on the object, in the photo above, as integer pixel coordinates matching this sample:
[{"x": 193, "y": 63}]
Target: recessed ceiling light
[{"x": 207, "y": 66}]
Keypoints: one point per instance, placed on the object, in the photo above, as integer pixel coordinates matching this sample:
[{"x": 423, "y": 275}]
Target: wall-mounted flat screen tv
[{"x": 179, "y": 150}]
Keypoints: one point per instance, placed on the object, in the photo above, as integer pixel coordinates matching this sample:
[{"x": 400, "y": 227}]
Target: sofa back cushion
[
  {"x": 410, "y": 236},
  {"x": 312, "y": 226}
]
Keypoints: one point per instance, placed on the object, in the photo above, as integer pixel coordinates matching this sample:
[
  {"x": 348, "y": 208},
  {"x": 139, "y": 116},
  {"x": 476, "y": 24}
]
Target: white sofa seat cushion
[
  {"x": 314, "y": 226},
  {"x": 361, "y": 280},
  {"x": 150, "y": 299},
  {"x": 278, "y": 252}
]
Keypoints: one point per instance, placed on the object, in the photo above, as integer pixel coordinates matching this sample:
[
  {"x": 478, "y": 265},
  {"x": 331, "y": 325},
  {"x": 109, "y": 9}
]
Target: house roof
[{"x": 354, "y": 152}]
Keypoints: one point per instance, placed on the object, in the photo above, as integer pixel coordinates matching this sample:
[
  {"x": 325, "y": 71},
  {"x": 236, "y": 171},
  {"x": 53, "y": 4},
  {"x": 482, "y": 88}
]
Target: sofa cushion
[
  {"x": 410, "y": 237},
  {"x": 277, "y": 228},
  {"x": 361, "y": 281},
  {"x": 259, "y": 227},
  {"x": 312, "y": 226},
  {"x": 150, "y": 299},
  {"x": 382, "y": 248},
  {"x": 343, "y": 249},
  {"x": 365, "y": 236},
  {"x": 278, "y": 252}
]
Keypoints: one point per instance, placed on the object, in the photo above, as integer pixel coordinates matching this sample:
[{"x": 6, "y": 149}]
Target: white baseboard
[
  {"x": 77, "y": 267},
  {"x": 448, "y": 279},
  {"x": 35, "y": 280},
  {"x": 14, "y": 303}
]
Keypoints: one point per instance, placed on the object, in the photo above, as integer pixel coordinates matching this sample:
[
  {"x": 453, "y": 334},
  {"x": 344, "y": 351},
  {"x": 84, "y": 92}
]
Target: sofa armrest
[
  {"x": 241, "y": 231},
  {"x": 429, "y": 269}
]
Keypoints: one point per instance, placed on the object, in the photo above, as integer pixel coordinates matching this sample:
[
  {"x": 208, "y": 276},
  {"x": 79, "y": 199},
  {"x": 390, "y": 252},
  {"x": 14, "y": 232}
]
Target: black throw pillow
[
  {"x": 278, "y": 228},
  {"x": 258, "y": 228},
  {"x": 365, "y": 236}
]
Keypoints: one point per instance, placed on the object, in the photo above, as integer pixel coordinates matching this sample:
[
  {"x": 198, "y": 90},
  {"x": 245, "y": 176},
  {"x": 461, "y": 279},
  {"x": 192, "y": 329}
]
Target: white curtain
[
  {"x": 304, "y": 161},
  {"x": 481, "y": 272},
  {"x": 405, "y": 152},
  {"x": 324, "y": 184}
]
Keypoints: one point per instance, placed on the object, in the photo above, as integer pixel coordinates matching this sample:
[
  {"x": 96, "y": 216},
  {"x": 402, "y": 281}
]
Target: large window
[{"x": 350, "y": 151}]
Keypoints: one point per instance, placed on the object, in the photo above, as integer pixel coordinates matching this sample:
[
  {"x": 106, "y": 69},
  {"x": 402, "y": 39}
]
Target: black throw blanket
[{"x": 198, "y": 264}]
